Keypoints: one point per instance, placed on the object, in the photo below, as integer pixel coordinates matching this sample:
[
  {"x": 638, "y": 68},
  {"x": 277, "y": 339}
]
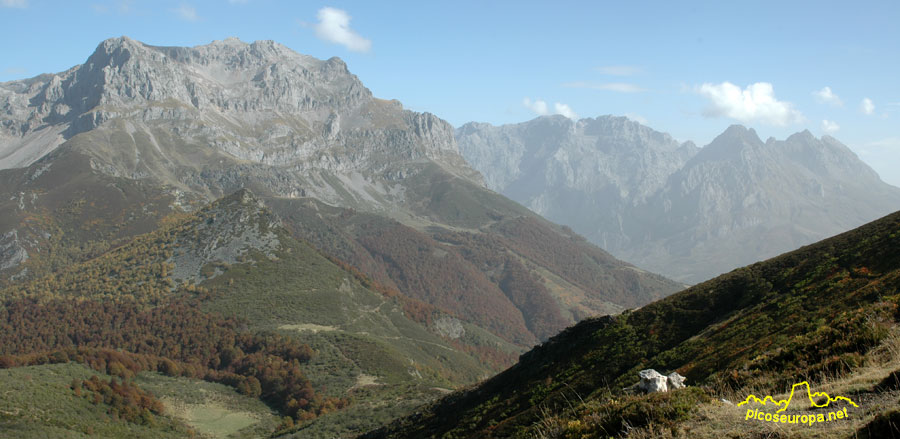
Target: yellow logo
[{"x": 783, "y": 404}]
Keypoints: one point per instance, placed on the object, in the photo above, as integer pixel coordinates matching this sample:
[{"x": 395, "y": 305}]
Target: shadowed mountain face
[
  {"x": 362, "y": 179},
  {"x": 676, "y": 209}
]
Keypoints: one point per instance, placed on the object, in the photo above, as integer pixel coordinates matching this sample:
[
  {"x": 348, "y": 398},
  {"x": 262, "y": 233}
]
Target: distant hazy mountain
[{"x": 676, "y": 209}]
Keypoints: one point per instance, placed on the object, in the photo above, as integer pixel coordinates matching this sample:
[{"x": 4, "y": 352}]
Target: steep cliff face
[
  {"x": 226, "y": 75},
  {"x": 673, "y": 208},
  {"x": 185, "y": 116},
  {"x": 608, "y": 153}
]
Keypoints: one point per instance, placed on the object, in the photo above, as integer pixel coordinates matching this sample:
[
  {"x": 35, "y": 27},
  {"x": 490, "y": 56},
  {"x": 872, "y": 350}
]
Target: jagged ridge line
[{"x": 809, "y": 394}]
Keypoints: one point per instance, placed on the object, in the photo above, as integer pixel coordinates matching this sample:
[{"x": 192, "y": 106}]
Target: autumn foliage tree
[{"x": 123, "y": 338}]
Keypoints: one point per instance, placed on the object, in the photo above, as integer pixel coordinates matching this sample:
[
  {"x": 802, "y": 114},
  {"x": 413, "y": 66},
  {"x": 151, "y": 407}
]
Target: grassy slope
[
  {"x": 210, "y": 409},
  {"x": 354, "y": 331},
  {"x": 809, "y": 314},
  {"x": 37, "y": 402},
  {"x": 303, "y": 294}
]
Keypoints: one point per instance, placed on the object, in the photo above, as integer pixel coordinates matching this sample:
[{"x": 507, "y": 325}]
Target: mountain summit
[
  {"x": 167, "y": 112},
  {"x": 687, "y": 212}
]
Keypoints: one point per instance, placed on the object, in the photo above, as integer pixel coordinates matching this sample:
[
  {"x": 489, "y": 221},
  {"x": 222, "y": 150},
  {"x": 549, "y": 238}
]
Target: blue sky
[{"x": 687, "y": 68}]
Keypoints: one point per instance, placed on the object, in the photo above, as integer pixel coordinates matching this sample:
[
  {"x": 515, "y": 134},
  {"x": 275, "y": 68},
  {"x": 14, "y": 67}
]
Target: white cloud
[
  {"x": 620, "y": 70},
  {"x": 830, "y": 126},
  {"x": 14, "y": 3},
  {"x": 334, "y": 27},
  {"x": 541, "y": 108},
  {"x": 186, "y": 12},
  {"x": 621, "y": 87},
  {"x": 757, "y": 102},
  {"x": 565, "y": 110},
  {"x": 826, "y": 96},
  {"x": 867, "y": 106},
  {"x": 637, "y": 118}
]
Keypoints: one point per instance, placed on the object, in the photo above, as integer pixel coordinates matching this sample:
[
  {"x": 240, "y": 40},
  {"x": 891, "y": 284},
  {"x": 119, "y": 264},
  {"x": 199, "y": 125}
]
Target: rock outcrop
[
  {"x": 292, "y": 123},
  {"x": 652, "y": 381},
  {"x": 675, "y": 381}
]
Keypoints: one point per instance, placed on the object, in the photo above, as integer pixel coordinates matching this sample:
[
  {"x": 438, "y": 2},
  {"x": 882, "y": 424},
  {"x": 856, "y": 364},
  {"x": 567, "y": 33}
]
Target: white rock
[
  {"x": 675, "y": 380},
  {"x": 652, "y": 381}
]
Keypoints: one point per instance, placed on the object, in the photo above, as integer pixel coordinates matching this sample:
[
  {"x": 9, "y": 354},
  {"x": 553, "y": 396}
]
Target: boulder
[
  {"x": 652, "y": 381},
  {"x": 675, "y": 381}
]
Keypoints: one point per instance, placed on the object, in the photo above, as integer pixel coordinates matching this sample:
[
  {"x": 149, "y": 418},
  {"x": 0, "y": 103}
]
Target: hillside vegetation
[
  {"x": 824, "y": 313},
  {"x": 508, "y": 272},
  {"x": 58, "y": 212},
  {"x": 227, "y": 296}
]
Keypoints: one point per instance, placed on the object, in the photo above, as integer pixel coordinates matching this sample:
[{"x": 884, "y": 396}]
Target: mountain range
[
  {"x": 237, "y": 240},
  {"x": 270, "y": 195},
  {"x": 689, "y": 213}
]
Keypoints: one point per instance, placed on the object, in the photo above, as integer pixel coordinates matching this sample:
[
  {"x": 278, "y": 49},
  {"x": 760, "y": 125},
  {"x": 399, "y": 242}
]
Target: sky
[{"x": 687, "y": 68}]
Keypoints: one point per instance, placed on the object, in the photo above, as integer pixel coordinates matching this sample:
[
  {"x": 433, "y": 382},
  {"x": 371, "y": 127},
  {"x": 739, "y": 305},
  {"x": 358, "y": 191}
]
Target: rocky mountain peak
[
  {"x": 213, "y": 118},
  {"x": 223, "y": 76},
  {"x": 735, "y": 142},
  {"x": 472, "y": 128},
  {"x": 589, "y": 156},
  {"x": 827, "y": 156},
  {"x": 554, "y": 122},
  {"x": 242, "y": 196},
  {"x": 737, "y": 133},
  {"x": 619, "y": 129},
  {"x": 114, "y": 52},
  {"x": 802, "y": 136}
]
